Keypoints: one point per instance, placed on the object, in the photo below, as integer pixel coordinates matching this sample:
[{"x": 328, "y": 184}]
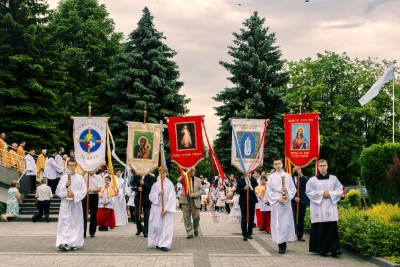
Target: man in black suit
[
  {"x": 142, "y": 184},
  {"x": 300, "y": 182},
  {"x": 244, "y": 184}
]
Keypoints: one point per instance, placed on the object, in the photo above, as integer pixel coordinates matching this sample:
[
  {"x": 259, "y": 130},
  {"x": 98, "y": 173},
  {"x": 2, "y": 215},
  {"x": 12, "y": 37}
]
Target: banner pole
[{"x": 393, "y": 109}]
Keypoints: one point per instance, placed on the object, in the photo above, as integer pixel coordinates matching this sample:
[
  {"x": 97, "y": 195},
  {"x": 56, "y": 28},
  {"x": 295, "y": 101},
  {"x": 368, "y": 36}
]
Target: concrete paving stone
[{"x": 219, "y": 244}]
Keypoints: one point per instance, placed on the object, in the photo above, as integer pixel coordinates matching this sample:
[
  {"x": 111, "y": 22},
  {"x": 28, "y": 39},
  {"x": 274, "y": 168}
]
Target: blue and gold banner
[{"x": 90, "y": 135}]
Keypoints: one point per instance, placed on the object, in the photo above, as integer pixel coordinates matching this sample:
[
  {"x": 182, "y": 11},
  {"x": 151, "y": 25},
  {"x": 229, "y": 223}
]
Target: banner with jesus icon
[
  {"x": 186, "y": 140},
  {"x": 90, "y": 142},
  {"x": 301, "y": 138},
  {"x": 143, "y": 149},
  {"x": 248, "y": 141}
]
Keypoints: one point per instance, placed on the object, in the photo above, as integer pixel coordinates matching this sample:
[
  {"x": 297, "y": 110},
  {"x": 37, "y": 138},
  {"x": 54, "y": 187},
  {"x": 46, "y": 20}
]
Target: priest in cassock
[
  {"x": 324, "y": 192},
  {"x": 161, "y": 226},
  {"x": 280, "y": 190},
  {"x": 70, "y": 218}
]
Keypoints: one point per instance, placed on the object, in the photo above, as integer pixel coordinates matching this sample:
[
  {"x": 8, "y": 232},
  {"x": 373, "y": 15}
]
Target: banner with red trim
[
  {"x": 301, "y": 138},
  {"x": 186, "y": 140}
]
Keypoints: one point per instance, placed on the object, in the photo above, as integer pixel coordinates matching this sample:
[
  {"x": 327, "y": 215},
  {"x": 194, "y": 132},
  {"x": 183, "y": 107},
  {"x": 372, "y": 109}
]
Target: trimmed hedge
[
  {"x": 374, "y": 232},
  {"x": 374, "y": 161}
]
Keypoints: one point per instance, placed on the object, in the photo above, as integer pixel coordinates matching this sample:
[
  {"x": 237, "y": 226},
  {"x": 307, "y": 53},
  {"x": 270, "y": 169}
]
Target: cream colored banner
[{"x": 143, "y": 149}]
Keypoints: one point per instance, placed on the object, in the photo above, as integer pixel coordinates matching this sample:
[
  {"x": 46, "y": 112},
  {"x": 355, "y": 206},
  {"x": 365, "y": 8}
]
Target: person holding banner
[
  {"x": 142, "y": 186},
  {"x": 247, "y": 183},
  {"x": 95, "y": 185},
  {"x": 191, "y": 204},
  {"x": 161, "y": 225},
  {"x": 324, "y": 191},
  {"x": 71, "y": 189},
  {"x": 280, "y": 190},
  {"x": 299, "y": 202}
]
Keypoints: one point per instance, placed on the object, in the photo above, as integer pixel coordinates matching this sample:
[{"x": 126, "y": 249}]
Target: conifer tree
[
  {"x": 87, "y": 42},
  {"x": 145, "y": 77},
  {"x": 258, "y": 79},
  {"x": 29, "y": 77}
]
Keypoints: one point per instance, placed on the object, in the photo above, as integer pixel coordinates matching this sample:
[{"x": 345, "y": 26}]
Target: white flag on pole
[{"x": 376, "y": 88}]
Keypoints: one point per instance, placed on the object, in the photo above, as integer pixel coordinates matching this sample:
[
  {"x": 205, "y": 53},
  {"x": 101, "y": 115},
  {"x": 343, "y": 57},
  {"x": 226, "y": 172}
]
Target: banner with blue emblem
[
  {"x": 90, "y": 136},
  {"x": 248, "y": 141}
]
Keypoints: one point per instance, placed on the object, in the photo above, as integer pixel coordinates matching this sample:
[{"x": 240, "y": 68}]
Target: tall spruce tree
[
  {"x": 29, "y": 77},
  {"x": 87, "y": 43},
  {"x": 145, "y": 76},
  {"x": 258, "y": 79}
]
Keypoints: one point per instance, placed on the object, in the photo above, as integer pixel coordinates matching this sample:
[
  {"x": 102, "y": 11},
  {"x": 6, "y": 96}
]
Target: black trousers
[
  {"x": 324, "y": 237},
  {"x": 93, "y": 206},
  {"x": 32, "y": 180},
  {"x": 43, "y": 207},
  {"x": 53, "y": 184},
  {"x": 146, "y": 214},
  {"x": 299, "y": 224},
  {"x": 247, "y": 228},
  {"x": 132, "y": 212}
]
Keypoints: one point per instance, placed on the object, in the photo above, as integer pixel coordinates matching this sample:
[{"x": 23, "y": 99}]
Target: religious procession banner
[
  {"x": 301, "y": 138},
  {"x": 90, "y": 135},
  {"x": 248, "y": 142},
  {"x": 186, "y": 140},
  {"x": 143, "y": 149}
]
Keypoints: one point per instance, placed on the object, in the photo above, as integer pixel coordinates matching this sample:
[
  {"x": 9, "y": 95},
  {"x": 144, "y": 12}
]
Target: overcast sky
[{"x": 200, "y": 31}]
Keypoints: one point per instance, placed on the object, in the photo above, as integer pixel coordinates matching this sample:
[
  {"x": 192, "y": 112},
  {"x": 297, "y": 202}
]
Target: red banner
[
  {"x": 186, "y": 140},
  {"x": 301, "y": 138}
]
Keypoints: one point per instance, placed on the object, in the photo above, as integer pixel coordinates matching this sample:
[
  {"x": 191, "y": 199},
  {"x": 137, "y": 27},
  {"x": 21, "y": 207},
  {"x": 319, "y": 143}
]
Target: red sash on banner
[
  {"x": 301, "y": 138},
  {"x": 186, "y": 140}
]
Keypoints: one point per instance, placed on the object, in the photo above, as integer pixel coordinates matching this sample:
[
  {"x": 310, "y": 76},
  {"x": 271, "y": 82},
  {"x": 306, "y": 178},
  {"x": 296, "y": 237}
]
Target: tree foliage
[
  {"x": 145, "y": 77},
  {"x": 332, "y": 85},
  {"x": 29, "y": 78},
  {"x": 258, "y": 78},
  {"x": 87, "y": 43}
]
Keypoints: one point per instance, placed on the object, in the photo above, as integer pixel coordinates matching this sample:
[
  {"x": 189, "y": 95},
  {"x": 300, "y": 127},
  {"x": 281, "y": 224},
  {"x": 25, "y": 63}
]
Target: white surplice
[
  {"x": 161, "y": 229},
  {"x": 70, "y": 218},
  {"x": 282, "y": 223},
  {"x": 324, "y": 210},
  {"x": 121, "y": 217}
]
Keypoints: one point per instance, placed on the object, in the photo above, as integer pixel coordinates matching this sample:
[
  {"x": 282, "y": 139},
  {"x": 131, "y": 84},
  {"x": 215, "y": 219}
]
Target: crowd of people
[{"x": 275, "y": 202}]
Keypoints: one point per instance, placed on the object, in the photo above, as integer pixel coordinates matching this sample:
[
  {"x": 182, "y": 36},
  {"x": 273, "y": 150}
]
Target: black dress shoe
[
  {"x": 196, "y": 233},
  {"x": 336, "y": 252},
  {"x": 189, "y": 237},
  {"x": 245, "y": 238},
  {"x": 281, "y": 250},
  {"x": 138, "y": 232},
  {"x": 91, "y": 236},
  {"x": 249, "y": 237},
  {"x": 164, "y": 249},
  {"x": 145, "y": 235},
  {"x": 157, "y": 247},
  {"x": 301, "y": 239}
]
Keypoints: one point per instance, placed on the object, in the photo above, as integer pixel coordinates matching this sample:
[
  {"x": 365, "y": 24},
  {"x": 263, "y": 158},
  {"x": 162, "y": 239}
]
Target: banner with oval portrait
[
  {"x": 301, "y": 138},
  {"x": 143, "y": 148},
  {"x": 248, "y": 141}
]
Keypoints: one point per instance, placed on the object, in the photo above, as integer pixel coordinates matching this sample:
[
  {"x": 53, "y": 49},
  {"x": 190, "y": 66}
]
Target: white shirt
[{"x": 30, "y": 165}]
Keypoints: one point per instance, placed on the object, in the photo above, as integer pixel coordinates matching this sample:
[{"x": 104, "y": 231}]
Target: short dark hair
[
  {"x": 53, "y": 151},
  {"x": 258, "y": 171},
  {"x": 276, "y": 159}
]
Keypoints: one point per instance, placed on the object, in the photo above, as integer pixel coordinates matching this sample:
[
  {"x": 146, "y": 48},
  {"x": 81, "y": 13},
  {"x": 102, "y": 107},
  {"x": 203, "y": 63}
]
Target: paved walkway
[{"x": 218, "y": 244}]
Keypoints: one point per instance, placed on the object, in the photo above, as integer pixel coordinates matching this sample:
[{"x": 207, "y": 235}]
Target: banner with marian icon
[
  {"x": 301, "y": 138},
  {"x": 248, "y": 141}
]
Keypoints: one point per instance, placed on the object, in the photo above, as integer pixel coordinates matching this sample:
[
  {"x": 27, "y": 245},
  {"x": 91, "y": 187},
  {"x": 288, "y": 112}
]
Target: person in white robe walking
[
  {"x": 121, "y": 215},
  {"x": 282, "y": 223},
  {"x": 70, "y": 218},
  {"x": 324, "y": 192},
  {"x": 161, "y": 222}
]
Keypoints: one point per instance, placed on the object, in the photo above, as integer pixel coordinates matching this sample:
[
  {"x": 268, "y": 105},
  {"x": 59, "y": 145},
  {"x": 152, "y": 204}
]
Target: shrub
[
  {"x": 375, "y": 161},
  {"x": 373, "y": 232},
  {"x": 353, "y": 198}
]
